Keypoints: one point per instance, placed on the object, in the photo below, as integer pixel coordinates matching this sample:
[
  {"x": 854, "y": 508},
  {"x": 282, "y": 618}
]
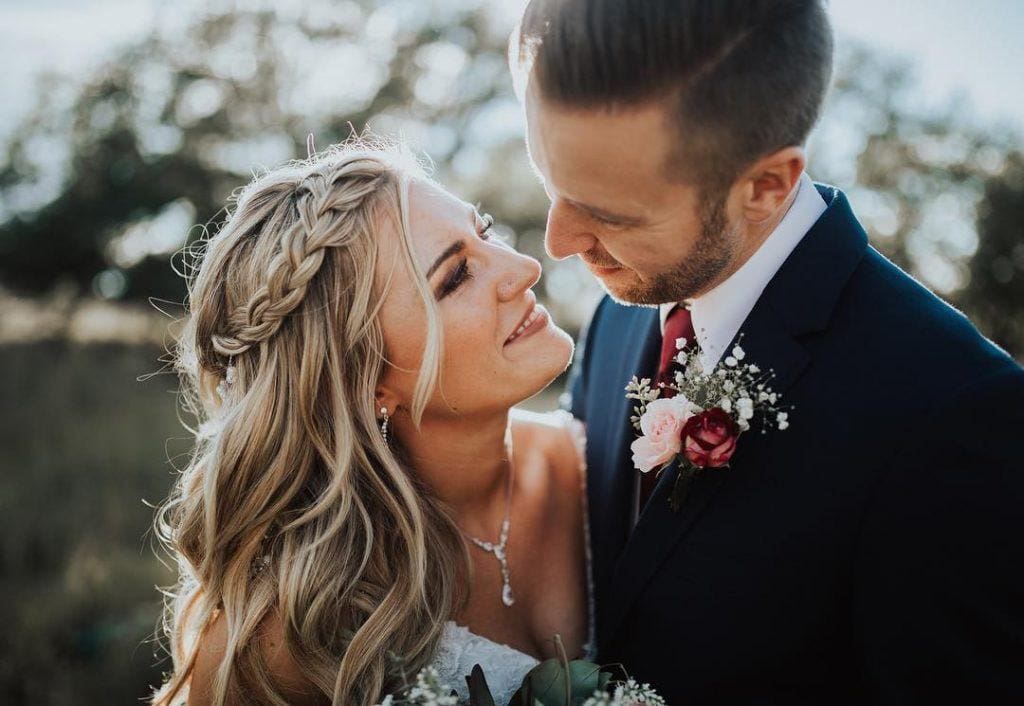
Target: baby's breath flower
[
  {"x": 731, "y": 362},
  {"x": 680, "y": 343},
  {"x": 738, "y": 353}
]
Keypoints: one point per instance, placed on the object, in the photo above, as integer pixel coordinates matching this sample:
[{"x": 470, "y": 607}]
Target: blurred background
[{"x": 125, "y": 124}]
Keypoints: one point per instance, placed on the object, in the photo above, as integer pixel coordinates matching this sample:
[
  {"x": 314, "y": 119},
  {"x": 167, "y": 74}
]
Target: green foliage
[
  {"x": 479, "y": 692},
  {"x": 995, "y": 297},
  {"x": 184, "y": 115},
  {"x": 554, "y": 682},
  {"x": 84, "y": 445}
]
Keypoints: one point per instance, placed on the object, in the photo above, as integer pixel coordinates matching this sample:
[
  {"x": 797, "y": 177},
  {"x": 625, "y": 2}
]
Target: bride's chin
[{"x": 547, "y": 362}]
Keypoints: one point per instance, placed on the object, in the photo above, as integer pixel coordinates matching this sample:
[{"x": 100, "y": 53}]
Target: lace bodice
[{"x": 504, "y": 666}]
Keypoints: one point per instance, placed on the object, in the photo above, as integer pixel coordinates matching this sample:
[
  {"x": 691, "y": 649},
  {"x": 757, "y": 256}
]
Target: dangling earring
[{"x": 384, "y": 424}]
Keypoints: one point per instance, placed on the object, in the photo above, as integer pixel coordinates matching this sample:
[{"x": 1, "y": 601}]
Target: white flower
[
  {"x": 783, "y": 420},
  {"x": 680, "y": 343},
  {"x": 722, "y": 372},
  {"x": 729, "y": 385},
  {"x": 681, "y": 358},
  {"x": 738, "y": 353},
  {"x": 754, "y": 370},
  {"x": 731, "y": 362},
  {"x": 745, "y": 407},
  {"x": 772, "y": 398},
  {"x": 726, "y": 405}
]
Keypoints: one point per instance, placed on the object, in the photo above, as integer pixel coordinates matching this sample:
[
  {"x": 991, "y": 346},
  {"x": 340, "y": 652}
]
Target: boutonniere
[{"x": 697, "y": 417}]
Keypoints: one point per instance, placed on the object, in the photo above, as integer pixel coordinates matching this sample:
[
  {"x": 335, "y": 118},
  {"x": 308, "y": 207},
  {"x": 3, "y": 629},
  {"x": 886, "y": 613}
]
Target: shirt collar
[{"x": 718, "y": 314}]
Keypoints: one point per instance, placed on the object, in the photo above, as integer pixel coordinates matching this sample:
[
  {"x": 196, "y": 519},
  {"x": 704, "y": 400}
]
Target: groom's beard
[{"x": 709, "y": 257}]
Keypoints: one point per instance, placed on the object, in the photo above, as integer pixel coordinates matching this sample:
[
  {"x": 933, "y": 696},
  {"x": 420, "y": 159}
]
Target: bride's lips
[{"x": 534, "y": 320}]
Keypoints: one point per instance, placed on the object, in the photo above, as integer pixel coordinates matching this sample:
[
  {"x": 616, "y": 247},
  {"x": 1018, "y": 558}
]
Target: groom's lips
[{"x": 601, "y": 270}]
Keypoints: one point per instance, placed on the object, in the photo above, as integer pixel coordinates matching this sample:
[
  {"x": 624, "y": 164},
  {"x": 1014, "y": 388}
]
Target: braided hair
[{"x": 359, "y": 561}]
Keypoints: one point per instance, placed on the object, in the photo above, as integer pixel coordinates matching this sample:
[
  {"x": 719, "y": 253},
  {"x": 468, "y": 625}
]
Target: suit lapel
[
  {"x": 610, "y": 480},
  {"x": 659, "y": 529}
]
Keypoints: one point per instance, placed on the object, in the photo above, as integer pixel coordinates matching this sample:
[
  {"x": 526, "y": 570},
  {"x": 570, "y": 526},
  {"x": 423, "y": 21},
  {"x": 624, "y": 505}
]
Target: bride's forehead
[{"x": 436, "y": 216}]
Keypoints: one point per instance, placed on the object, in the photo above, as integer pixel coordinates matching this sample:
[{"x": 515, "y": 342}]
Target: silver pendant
[{"x": 499, "y": 553}]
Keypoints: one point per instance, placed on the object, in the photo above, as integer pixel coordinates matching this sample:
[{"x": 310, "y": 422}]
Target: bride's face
[{"x": 483, "y": 292}]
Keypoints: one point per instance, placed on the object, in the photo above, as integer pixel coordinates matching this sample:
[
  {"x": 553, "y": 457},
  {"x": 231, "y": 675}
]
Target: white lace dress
[{"x": 505, "y": 666}]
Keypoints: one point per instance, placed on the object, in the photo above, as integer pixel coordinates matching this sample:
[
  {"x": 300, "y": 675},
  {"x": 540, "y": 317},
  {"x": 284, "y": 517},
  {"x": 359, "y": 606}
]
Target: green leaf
[
  {"x": 544, "y": 685},
  {"x": 479, "y": 692}
]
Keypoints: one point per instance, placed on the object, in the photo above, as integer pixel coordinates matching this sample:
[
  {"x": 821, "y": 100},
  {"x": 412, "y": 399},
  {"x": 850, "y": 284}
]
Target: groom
[{"x": 873, "y": 552}]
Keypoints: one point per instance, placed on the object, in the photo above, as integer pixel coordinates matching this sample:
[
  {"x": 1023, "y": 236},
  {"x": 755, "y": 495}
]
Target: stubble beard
[{"x": 711, "y": 254}]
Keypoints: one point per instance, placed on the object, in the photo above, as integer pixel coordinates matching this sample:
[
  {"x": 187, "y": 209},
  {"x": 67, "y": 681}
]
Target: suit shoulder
[{"x": 906, "y": 320}]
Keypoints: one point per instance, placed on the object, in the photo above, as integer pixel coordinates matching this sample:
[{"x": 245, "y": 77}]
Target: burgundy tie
[{"x": 679, "y": 324}]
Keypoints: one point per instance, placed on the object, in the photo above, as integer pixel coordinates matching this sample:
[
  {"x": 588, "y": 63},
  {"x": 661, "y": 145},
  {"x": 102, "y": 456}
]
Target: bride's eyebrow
[{"x": 453, "y": 249}]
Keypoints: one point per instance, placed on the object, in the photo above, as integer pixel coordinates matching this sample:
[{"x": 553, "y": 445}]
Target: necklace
[{"x": 499, "y": 549}]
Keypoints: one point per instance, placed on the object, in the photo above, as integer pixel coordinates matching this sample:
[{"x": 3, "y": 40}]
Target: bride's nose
[{"x": 520, "y": 273}]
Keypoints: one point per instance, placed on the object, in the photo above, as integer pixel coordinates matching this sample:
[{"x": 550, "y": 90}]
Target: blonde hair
[{"x": 364, "y": 565}]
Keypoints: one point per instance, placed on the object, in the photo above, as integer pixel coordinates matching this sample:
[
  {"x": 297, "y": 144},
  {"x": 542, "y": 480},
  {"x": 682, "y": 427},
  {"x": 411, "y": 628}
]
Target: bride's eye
[{"x": 455, "y": 279}]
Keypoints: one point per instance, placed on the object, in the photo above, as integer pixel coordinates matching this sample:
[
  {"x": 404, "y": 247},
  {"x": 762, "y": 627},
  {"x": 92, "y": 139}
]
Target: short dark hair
[{"x": 744, "y": 78}]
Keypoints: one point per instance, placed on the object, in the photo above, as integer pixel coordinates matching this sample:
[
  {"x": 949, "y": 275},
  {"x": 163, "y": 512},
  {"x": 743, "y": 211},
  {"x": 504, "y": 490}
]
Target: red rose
[{"x": 709, "y": 438}]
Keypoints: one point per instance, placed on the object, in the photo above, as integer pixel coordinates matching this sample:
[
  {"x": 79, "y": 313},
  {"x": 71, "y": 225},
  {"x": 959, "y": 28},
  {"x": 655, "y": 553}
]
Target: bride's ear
[{"x": 384, "y": 398}]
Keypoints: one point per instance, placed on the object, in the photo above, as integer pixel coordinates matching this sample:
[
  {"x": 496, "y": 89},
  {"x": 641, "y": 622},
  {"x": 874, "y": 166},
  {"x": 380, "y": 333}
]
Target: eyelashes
[
  {"x": 458, "y": 276},
  {"x": 461, "y": 273}
]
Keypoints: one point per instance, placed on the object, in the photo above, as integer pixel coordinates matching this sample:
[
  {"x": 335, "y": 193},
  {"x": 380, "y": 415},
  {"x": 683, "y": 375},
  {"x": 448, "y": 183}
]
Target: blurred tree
[
  {"x": 916, "y": 174},
  {"x": 995, "y": 296},
  {"x": 158, "y": 139}
]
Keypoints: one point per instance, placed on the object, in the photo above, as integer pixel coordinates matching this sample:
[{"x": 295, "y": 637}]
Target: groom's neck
[{"x": 753, "y": 237}]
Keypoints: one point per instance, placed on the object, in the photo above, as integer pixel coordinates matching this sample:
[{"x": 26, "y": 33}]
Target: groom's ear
[{"x": 768, "y": 183}]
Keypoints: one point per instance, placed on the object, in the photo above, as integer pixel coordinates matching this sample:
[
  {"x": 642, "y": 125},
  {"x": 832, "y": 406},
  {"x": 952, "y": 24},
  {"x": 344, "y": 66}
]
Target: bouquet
[{"x": 553, "y": 682}]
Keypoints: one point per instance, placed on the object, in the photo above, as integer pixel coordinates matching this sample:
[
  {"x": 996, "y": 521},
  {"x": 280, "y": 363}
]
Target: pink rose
[
  {"x": 709, "y": 438},
  {"x": 661, "y": 426}
]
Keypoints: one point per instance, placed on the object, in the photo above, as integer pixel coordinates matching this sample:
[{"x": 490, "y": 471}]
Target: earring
[{"x": 384, "y": 424}]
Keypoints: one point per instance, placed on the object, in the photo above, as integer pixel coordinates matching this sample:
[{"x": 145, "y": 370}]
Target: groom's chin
[{"x": 630, "y": 295}]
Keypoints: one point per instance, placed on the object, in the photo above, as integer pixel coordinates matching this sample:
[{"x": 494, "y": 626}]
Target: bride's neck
[{"x": 466, "y": 462}]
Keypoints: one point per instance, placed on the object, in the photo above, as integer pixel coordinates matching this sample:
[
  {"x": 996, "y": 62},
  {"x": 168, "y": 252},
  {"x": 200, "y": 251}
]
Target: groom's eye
[{"x": 609, "y": 223}]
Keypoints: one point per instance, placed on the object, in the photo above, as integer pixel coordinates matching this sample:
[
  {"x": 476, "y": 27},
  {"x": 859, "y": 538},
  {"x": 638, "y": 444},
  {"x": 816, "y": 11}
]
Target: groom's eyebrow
[{"x": 607, "y": 215}]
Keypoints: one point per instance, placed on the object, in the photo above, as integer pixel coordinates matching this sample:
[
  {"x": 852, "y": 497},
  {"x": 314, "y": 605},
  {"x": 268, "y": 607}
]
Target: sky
[{"x": 955, "y": 46}]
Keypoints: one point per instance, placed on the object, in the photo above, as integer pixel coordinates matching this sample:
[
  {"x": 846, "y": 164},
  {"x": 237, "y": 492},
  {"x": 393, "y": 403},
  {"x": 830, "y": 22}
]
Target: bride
[{"x": 361, "y": 501}]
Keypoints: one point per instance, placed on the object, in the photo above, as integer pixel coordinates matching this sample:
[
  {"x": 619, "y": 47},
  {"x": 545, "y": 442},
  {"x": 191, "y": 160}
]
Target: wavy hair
[{"x": 289, "y": 472}]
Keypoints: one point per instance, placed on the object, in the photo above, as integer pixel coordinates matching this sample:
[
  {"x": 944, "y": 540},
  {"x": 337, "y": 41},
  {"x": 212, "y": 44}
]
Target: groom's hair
[{"x": 742, "y": 78}]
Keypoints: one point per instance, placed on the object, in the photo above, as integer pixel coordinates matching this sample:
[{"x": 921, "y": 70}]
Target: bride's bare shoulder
[
  {"x": 558, "y": 438},
  {"x": 282, "y": 669}
]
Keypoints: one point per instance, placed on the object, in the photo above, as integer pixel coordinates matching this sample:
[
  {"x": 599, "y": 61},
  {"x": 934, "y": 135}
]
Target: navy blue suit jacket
[{"x": 871, "y": 553}]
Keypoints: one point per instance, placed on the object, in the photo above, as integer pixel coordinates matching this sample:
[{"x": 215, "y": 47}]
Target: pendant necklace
[{"x": 499, "y": 549}]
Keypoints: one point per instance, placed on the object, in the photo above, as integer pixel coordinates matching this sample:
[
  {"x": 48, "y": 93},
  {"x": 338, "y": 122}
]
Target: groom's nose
[{"x": 567, "y": 233}]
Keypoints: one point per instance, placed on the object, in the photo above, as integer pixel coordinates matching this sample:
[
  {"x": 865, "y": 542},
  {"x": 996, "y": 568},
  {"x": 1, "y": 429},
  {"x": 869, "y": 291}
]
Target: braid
[{"x": 321, "y": 204}]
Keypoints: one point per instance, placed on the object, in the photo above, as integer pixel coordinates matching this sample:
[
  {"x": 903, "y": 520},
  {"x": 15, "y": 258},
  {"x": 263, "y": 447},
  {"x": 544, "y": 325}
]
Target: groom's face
[{"x": 647, "y": 237}]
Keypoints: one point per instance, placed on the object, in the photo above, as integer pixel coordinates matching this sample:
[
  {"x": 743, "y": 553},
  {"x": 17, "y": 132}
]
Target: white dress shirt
[{"x": 718, "y": 314}]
